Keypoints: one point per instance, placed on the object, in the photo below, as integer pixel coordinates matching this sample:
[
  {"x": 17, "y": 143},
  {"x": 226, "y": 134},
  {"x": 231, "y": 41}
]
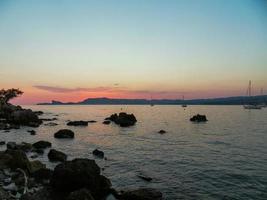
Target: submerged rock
[
  {"x": 98, "y": 153},
  {"x": 32, "y": 132},
  {"x": 106, "y": 122},
  {"x": 2, "y": 142},
  {"x": 64, "y": 133},
  {"x": 51, "y": 124},
  {"x": 198, "y": 118},
  {"x": 162, "y": 131},
  {"x": 42, "y": 144},
  {"x": 142, "y": 194},
  {"x": 77, "y": 123},
  {"x": 55, "y": 155},
  {"x": 123, "y": 119}
]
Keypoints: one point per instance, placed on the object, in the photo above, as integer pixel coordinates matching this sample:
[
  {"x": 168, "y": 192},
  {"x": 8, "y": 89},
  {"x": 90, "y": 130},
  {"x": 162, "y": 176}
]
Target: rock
[
  {"x": 11, "y": 187},
  {"x": 142, "y": 194},
  {"x": 42, "y": 194},
  {"x": 98, "y": 153},
  {"x": 38, "y": 112},
  {"x": 34, "y": 156},
  {"x": 82, "y": 194},
  {"x": 36, "y": 165},
  {"x": 25, "y": 117},
  {"x": 77, "y": 174},
  {"x": 198, "y": 118},
  {"x": 123, "y": 119},
  {"x": 41, "y": 144},
  {"x": 77, "y": 123},
  {"x": 11, "y": 145},
  {"x": 51, "y": 124},
  {"x": 55, "y": 155},
  {"x": 39, "y": 151},
  {"x": 146, "y": 178},
  {"x": 92, "y": 121},
  {"x": 4, "y": 195},
  {"x": 106, "y": 122},
  {"x": 18, "y": 159},
  {"x": 32, "y": 132},
  {"x": 49, "y": 119},
  {"x": 64, "y": 133},
  {"x": 2, "y": 142},
  {"x": 24, "y": 146},
  {"x": 42, "y": 174},
  {"x": 162, "y": 131}
]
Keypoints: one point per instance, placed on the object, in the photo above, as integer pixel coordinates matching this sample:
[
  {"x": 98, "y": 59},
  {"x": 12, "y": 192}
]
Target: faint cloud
[{"x": 64, "y": 90}]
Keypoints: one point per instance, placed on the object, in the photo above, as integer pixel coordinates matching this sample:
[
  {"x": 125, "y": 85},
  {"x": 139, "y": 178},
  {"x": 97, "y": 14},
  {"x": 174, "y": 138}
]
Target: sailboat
[
  {"x": 151, "y": 102},
  {"x": 251, "y": 105},
  {"x": 184, "y": 105}
]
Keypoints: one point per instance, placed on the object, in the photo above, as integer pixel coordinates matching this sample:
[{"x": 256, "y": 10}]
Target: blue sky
[{"x": 201, "y": 48}]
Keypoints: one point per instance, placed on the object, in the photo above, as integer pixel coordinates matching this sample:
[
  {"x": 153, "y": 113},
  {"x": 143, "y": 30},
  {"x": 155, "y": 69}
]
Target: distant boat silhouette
[
  {"x": 151, "y": 103},
  {"x": 251, "y": 105},
  {"x": 184, "y": 105}
]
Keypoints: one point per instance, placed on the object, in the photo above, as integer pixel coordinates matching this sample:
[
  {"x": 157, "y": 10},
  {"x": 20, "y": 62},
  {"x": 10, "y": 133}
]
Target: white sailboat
[{"x": 251, "y": 105}]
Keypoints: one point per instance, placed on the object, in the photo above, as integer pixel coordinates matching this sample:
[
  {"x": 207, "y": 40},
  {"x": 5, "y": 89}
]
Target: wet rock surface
[
  {"x": 77, "y": 123},
  {"x": 199, "y": 118},
  {"x": 64, "y": 133},
  {"x": 123, "y": 119},
  {"x": 55, "y": 155}
]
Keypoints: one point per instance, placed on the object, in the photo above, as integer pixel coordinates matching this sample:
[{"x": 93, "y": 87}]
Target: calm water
[{"x": 225, "y": 158}]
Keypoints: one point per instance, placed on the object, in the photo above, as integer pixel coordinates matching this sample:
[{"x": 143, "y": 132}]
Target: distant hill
[{"x": 214, "y": 101}]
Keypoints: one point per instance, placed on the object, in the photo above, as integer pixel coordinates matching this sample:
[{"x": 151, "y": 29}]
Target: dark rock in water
[
  {"x": 38, "y": 112},
  {"x": 39, "y": 151},
  {"x": 146, "y": 178},
  {"x": 77, "y": 123},
  {"x": 2, "y": 142},
  {"x": 25, "y": 117},
  {"x": 11, "y": 145},
  {"x": 41, "y": 144},
  {"x": 77, "y": 174},
  {"x": 42, "y": 174},
  {"x": 106, "y": 122},
  {"x": 98, "y": 153},
  {"x": 198, "y": 118},
  {"x": 55, "y": 155},
  {"x": 49, "y": 119},
  {"x": 123, "y": 119},
  {"x": 142, "y": 194},
  {"x": 162, "y": 131},
  {"x": 51, "y": 124},
  {"x": 24, "y": 146},
  {"x": 32, "y": 132},
  {"x": 64, "y": 133},
  {"x": 82, "y": 194},
  {"x": 92, "y": 121}
]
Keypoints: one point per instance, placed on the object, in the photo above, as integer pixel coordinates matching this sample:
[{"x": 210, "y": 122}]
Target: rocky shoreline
[{"x": 77, "y": 179}]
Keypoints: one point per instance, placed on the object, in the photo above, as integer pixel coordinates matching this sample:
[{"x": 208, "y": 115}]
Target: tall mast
[{"x": 249, "y": 88}]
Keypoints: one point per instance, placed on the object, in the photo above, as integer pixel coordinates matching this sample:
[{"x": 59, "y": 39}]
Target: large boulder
[
  {"x": 198, "y": 118},
  {"x": 77, "y": 174},
  {"x": 142, "y": 194},
  {"x": 41, "y": 144},
  {"x": 36, "y": 165},
  {"x": 55, "y": 155},
  {"x": 25, "y": 117},
  {"x": 18, "y": 159},
  {"x": 77, "y": 123},
  {"x": 64, "y": 133},
  {"x": 123, "y": 119}
]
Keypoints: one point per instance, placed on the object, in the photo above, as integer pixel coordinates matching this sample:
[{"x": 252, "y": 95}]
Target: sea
[{"x": 223, "y": 158}]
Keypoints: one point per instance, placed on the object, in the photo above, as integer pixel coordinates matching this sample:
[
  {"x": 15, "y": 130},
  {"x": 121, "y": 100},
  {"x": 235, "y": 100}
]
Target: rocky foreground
[{"x": 77, "y": 179}]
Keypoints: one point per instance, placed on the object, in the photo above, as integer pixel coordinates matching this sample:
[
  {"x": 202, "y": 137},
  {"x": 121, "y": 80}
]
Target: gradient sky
[{"x": 70, "y": 50}]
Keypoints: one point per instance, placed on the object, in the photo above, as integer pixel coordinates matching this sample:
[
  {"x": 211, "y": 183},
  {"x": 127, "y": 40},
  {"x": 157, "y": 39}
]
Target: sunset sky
[{"x": 71, "y": 50}]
